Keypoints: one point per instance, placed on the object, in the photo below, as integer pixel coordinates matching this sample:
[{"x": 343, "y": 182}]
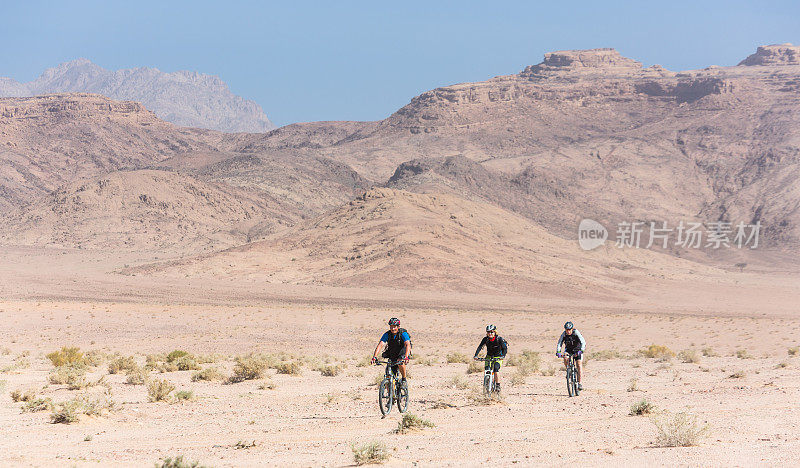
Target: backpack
[{"x": 398, "y": 338}]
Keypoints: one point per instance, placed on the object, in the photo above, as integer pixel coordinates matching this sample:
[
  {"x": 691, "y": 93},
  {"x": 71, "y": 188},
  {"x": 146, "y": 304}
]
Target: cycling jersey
[
  {"x": 494, "y": 348},
  {"x": 572, "y": 343},
  {"x": 396, "y": 344}
]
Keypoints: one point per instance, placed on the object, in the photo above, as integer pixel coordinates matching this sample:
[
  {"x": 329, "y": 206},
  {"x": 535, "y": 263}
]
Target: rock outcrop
[{"x": 777, "y": 54}]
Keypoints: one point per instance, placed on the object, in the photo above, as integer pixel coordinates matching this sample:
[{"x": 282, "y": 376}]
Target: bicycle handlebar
[
  {"x": 492, "y": 358},
  {"x": 391, "y": 363}
]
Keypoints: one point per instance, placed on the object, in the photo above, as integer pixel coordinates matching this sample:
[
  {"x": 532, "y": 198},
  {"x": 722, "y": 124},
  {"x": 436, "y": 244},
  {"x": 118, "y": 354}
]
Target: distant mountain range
[{"x": 185, "y": 98}]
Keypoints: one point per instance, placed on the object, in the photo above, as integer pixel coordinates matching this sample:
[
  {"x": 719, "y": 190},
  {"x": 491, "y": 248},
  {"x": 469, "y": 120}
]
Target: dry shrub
[
  {"x": 457, "y": 382},
  {"x": 370, "y": 453},
  {"x": 159, "y": 389},
  {"x": 73, "y": 376},
  {"x": 248, "y": 368},
  {"x": 737, "y": 375},
  {"x": 657, "y": 352},
  {"x": 208, "y": 374},
  {"x": 330, "y": 370},
  {"x": 604, "y": 355},
  {"x": 67, "y": 357},
  {"x": 165, "y": 367},
  {"x": 689, "y": 356},
  {"x": 633, "y": 386},
  {"x": 641, "y": 407},
  {"x": 177, "y": 354},
  {"x": 137, "y": 376},
  {"x": 184, "y": 395},
  {"x": 517, "y": 379},
  {"x": 267, "y": 385},
  {"x": 549, "y": 372},
  {"x": 187, "y": 363},
  {"x": 18, "y": 395},
  {"x": 38, "y": 404},
  {"x": 411, "y": 422},
  {"x": 679, "y": 430},
  {"x": 67, "y": 412},
  {"x": 526, "y": 363},
  {"x": 743, "y": 354},
  {"x": 177, "y": 462},
  {"x": 289, "y": 368},
  {"x": 793, "y": 351},
  {"x": 480, "y": 399},
  {"x": 457, "y": 358},
  {"x": 709, "y": 352},
  {"x": 474, "y": 367},
  {"x": 122, "y": 364},
  {"x": 95, "y": 358}
]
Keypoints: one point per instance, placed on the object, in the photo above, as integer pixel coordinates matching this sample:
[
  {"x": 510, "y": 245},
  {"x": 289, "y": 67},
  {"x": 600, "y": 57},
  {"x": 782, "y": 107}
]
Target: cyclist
[
  {"x": 497, "y": 347},
  {"x": 574, "y": 344},
  {"x": 398, "y": 346}
]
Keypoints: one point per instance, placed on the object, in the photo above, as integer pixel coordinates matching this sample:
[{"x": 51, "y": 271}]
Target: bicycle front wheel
[
  {"x": 570, "y": 386},
  {"x": 385, "y": 396},
  {"x": 487, "y": 384},
  {"x": 402, "y": 397}
]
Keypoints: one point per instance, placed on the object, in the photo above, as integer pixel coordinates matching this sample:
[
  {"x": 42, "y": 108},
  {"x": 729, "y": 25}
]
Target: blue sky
[{"x": 306, "y": 61}]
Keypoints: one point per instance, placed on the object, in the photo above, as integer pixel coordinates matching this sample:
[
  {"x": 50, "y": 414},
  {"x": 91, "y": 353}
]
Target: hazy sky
[{"x": 305, "y": 61}]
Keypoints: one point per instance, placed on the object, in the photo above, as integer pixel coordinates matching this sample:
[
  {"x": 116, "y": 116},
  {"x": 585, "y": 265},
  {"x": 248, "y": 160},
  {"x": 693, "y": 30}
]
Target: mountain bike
[
  {"x": 392, "y": 389},
  {"x": 489, "y": 385},
  {"x": 572, "y": 375}
]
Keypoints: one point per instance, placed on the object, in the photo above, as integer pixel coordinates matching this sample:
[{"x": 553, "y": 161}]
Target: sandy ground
[{"x": 749, "y": 403}]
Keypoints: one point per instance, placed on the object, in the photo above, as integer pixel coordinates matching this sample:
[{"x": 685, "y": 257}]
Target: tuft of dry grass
[
  {"x": 411, "y": 422},
  {"x": 709, "y": 352},
  {"x": 737, "y": 375},
  {"x": 19, "y": 395},
  {"x": 657, "y": 352},
  {"x": 137, "y": 376},
  {"x": 122, "y": 364},
  {"x": 457, "y": 358},
  {"x": 679, "y": 430},
  {"x": 604, "y": 355},
  {"x": 474, "y": 367},
  {"x": 793, "y": 351},
  {"x": 633, "y": 385},
  {"x": 38, "y": 404},
  {"x": 289, "y": 368},
  {"x": 517, "y": 379},
  {"x": 526, "y": 362},
  {"x": 184, "y": 395},
  {"x": 330, "y": 370},
  {"x": 370, "y": 453},
  {"x": 457, "y": 382},
  {"x": 248, "y": 368},
  {"x": 743, "y": 354},
  {"x": 177, "y": 462},
  {"x": 73, "y": 376},
  {"x": 159, "y": 389}
]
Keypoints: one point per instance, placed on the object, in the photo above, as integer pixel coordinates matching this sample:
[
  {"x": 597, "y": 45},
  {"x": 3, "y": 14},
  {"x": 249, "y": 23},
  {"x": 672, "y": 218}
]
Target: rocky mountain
[{"x": 188, "y": 99}]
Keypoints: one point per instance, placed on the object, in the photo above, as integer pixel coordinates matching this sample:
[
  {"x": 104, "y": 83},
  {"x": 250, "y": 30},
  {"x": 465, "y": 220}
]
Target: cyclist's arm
[
  {"x": 384, "y": 339},
  {"x": 503, "y": 348},
  {"x": 480, "y": 346},
  {"x": 407, "y": 343},
  {"x": 560, "y": 342},
  {"x": 580, "y": 337}
]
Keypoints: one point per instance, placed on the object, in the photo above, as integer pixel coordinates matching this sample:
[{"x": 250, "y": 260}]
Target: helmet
[
  {"x": 568, "y": 326},
  {"x": 394, "y": 321},
  {"x": 490, "y": 328}
]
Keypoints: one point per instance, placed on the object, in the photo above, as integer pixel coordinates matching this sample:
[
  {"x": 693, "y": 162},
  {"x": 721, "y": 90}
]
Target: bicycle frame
[
  {"x": 572, "y": 375},
  {"x": 489, "y": 384},
  {"x": 394, "y": 390}
]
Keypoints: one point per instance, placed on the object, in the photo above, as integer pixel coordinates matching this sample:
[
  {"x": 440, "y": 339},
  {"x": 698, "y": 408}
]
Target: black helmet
[
  {"x": 568, "y": 326},
  {"x": 394, "y": 321},
  {"x": 490, "y": 328}
]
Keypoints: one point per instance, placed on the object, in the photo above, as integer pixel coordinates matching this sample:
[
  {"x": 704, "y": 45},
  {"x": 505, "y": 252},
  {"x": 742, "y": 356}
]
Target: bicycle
[
  {"x": 489, "y": 385},
  {"x": 572, "y": 375},
  {"x": 392, "y": 389}
]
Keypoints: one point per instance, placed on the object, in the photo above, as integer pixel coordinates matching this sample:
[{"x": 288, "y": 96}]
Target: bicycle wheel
[
  {"x": 402, "y": 396},
  {"x": 487, "y": 384},
  {"x": 570, "y": 386},
  {"x": 385, "y": 396},
  {"x": 575, "y": 390}
]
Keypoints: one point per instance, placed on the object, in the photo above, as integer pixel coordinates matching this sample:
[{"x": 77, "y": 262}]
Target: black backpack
[{"x": 398, "y": 338}]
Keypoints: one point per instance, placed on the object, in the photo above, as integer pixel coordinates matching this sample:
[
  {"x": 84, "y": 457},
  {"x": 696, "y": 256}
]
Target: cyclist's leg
[
  {"x": 402, "y": 368},
  {"x": 497, "y": 365},
  {"x": 579, "y": 366}
]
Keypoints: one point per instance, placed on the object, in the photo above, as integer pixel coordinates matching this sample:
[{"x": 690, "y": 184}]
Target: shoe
[
  {"x": 580, "y": 387},
  {"x": 497, "y": 388}
]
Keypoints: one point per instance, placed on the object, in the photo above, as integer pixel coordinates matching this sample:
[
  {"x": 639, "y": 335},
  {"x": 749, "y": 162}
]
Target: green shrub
[
  {"x": 67, "y": 357},
  {"x": 177, "y": 354},
  {"x": 370, "y": 453},
  {"x": 186, "y": 363}
]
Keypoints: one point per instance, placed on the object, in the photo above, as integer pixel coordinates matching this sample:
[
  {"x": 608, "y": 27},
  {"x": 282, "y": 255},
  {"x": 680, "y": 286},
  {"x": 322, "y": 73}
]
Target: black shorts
[
  {"x": 574, "y": 353},
  {"x": 392, "y": 357}
]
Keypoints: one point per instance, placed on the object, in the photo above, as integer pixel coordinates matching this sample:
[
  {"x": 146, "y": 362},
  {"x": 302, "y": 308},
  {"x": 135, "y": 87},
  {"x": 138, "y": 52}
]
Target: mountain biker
[
  {"x": 398, "y": 346},
  {"x": 574, "y": 344},
  {"x": 496, "y": 347}
]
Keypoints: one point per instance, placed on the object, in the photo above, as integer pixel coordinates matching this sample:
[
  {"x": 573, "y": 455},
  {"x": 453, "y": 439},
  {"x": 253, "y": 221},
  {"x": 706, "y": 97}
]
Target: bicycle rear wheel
[
  {"x": 402, "y": 397},
  {"x": 385, "y": 396}
]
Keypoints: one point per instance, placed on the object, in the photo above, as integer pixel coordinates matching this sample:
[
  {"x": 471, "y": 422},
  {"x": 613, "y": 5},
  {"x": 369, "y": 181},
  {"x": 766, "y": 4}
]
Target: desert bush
[
  {"x": 67, "y": 357},
  {"x": 248, "y": 368},
  {"x": 474, "y": 367},
  {"x": 159, "y": 389},
  {"x": 165, "y": 367},
  {"x": 67, "y": 412},
  {"x": 184, "y": 395},
  {"x": 330, "y": 370},
  {"x": 19, "y": 395},
  {"x": 177, "y": 462},
  {"x": 137, "y": 376},
  {"x": 604, "y": 355},
  {"x": 369, "y": 453},
  {"x": 38, "y": 404},
  {"x": 641, "y": 407},
  {"x": 458, "y": 358},
  {"x": 457, "y": 382},
  {"x": 267, "y": 385},
  {"x": 427, "y": 360},
  {"x": 177, "y": 354},
  {"x": 679, "y": 430},
  {"x": 411, "y": 422},
  {"x": 689, "y": 356},
  {"x": 481, "y": 399},
  {"x": 657, "y": 352},
  {"x": 73, "y": 376},
  {"x": 633, "y": 386},
  {"x": 793, "y": 351},
  {"x": 94, "y": 357},
  {"x": 289, "y": 368},
  {"x": 364, "y": 362},
  {"x": 94, "y": 406},
  {"x": 526, "y": 362},
  {"x": 743, "y": 354},
  {"x": 208, "y": 374},
  {"x": 709, "y": 352},
  {"x": 122, "y": 364},
  {"x": 186, "y": 363}
]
